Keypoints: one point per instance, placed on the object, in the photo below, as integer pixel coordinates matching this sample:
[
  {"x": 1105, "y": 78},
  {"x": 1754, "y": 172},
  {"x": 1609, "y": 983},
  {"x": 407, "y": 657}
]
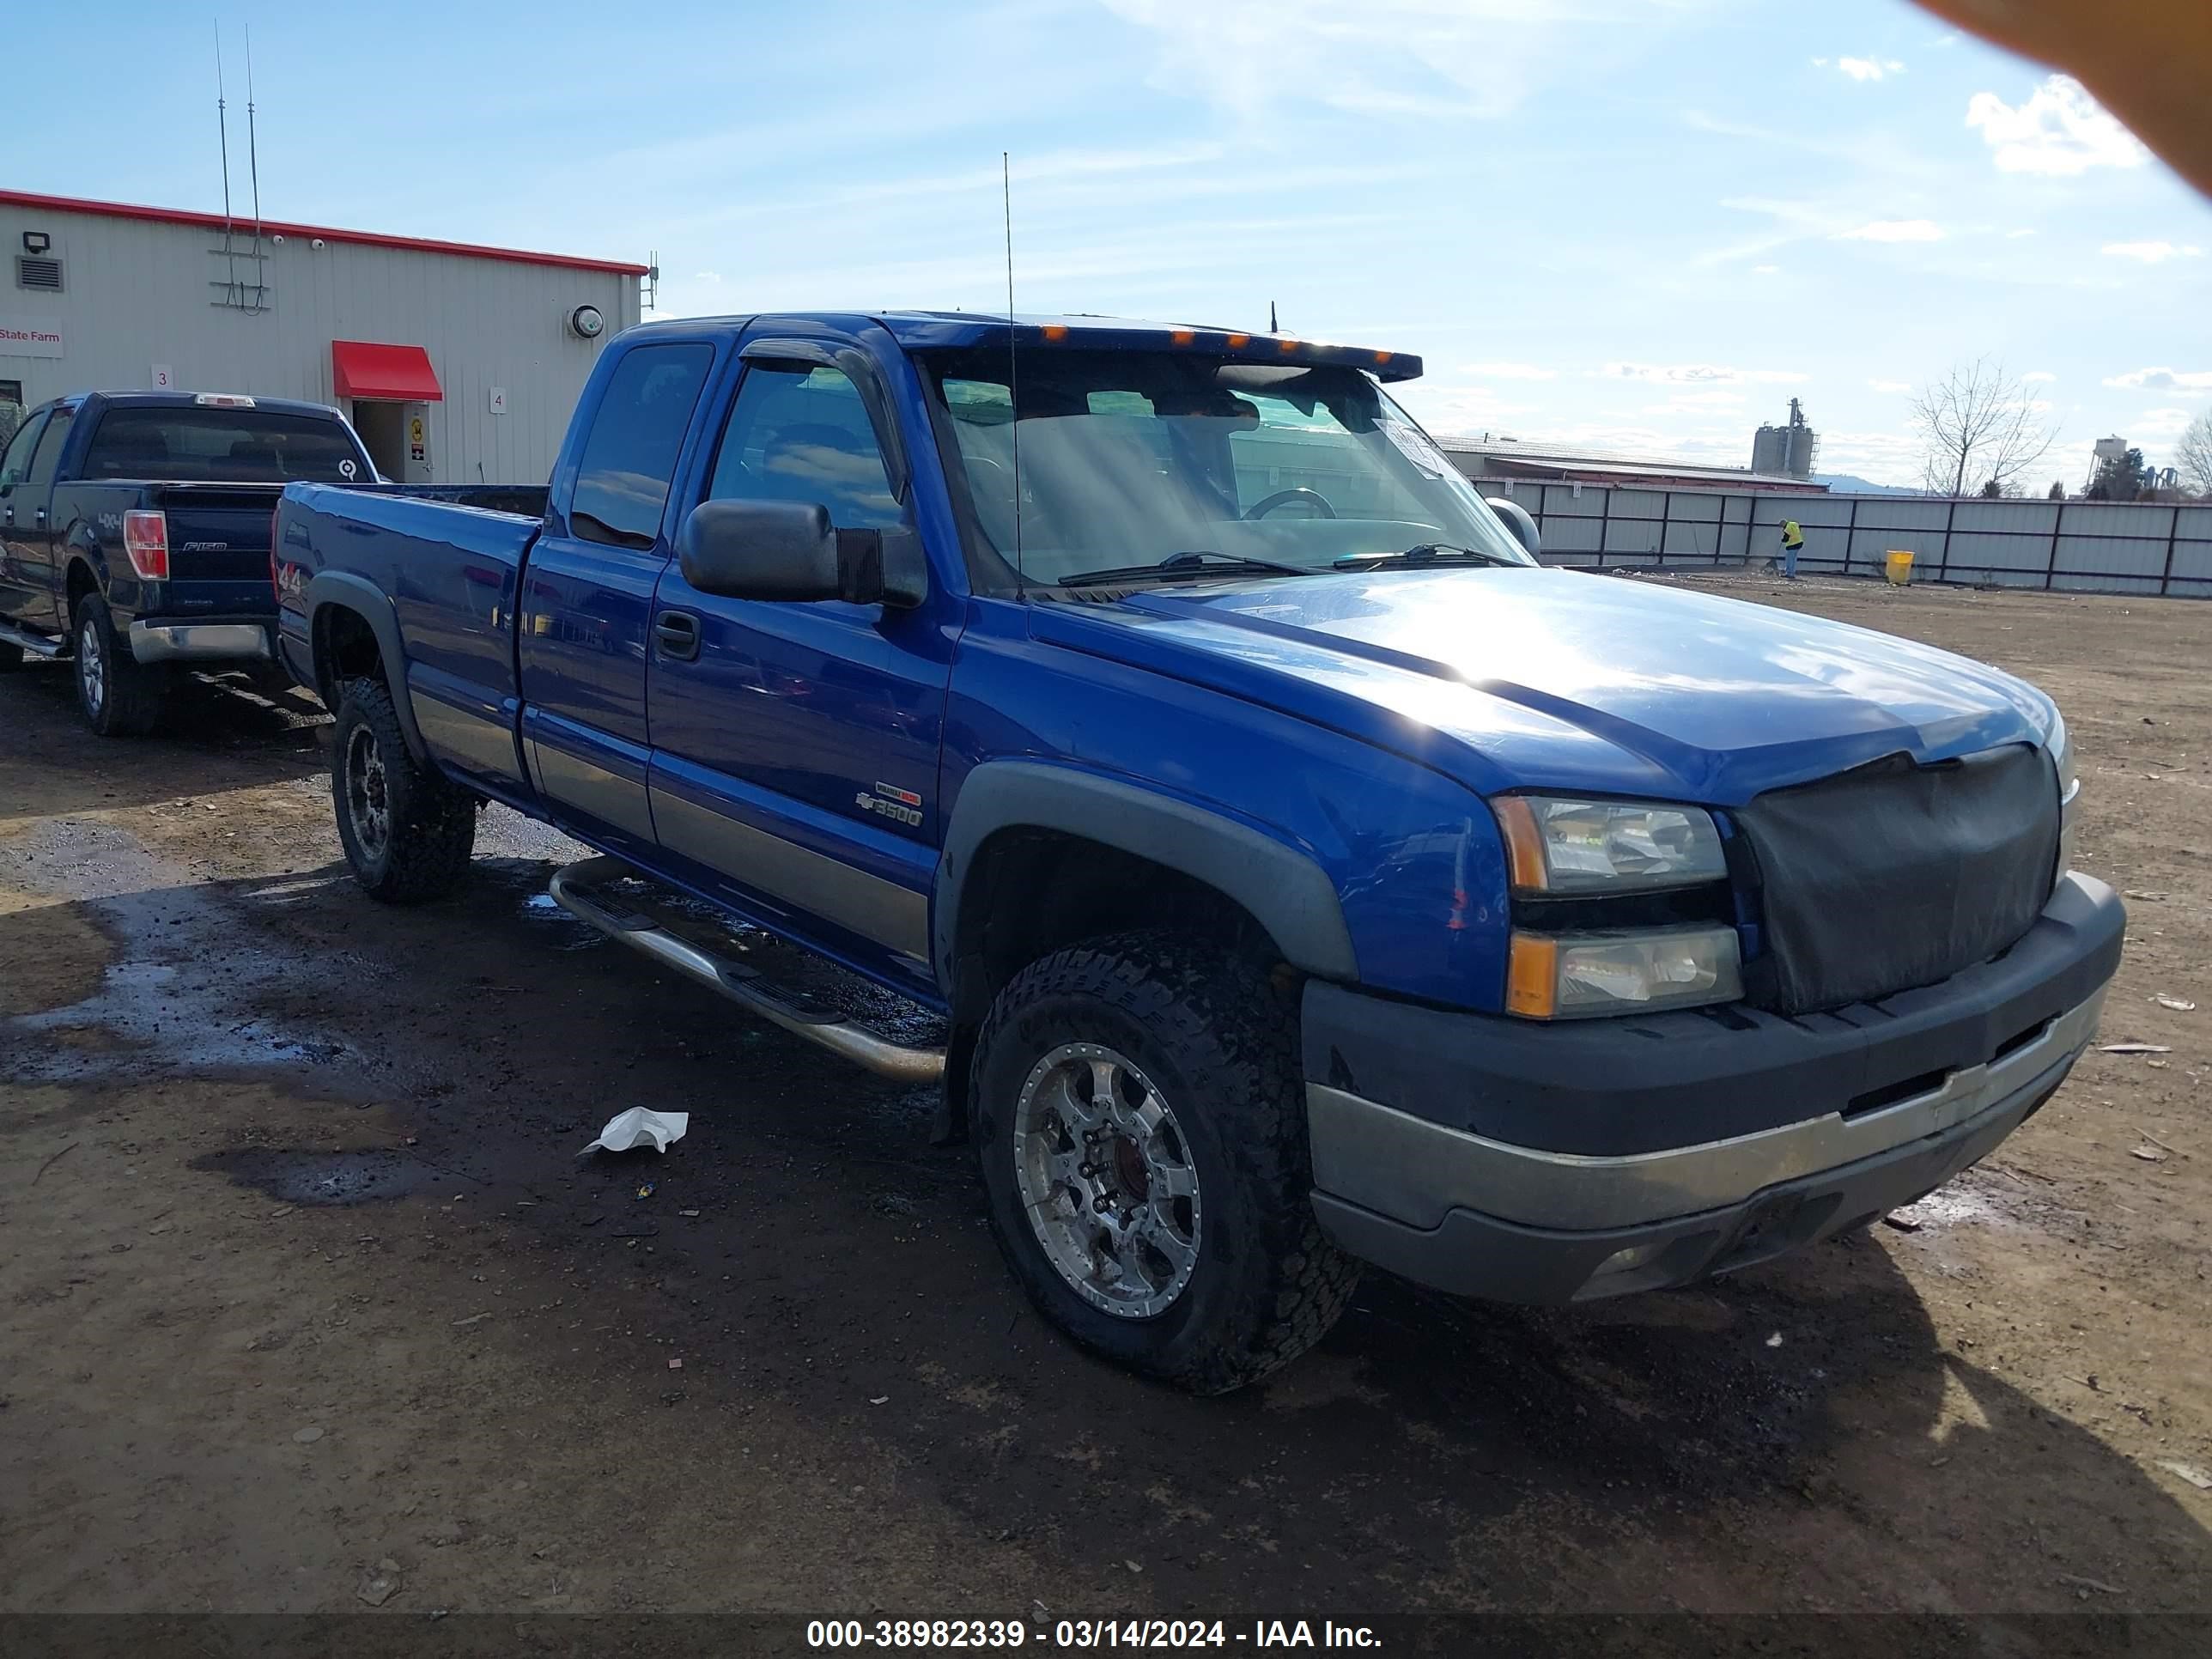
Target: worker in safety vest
[{"x": 1793, "y": 542}]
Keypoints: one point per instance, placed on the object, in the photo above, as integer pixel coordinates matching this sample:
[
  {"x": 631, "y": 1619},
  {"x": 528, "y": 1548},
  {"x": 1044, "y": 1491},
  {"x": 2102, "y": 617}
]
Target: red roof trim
[
  {"x": 364, "y": 238},
  {"x": 391, "y": 373}
]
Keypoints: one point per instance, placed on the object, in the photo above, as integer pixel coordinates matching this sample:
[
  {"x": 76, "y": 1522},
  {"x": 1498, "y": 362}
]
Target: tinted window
[
  {"x": 621, "y": 483},
  {"x": 802, "y": 435},
  {"x": 16, "y": 464},
  {"x": 48, "y": 454},
  {"x": 193, "y": 445}
]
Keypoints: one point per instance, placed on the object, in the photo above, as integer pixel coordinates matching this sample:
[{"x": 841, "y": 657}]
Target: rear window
[{"x": 221, "y": 446}]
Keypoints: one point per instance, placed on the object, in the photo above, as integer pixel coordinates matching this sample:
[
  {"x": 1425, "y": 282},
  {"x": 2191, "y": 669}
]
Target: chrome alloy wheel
[
  {"x": 368, "y": 799},
  {"x": 1106, "y": 1180},
  {"x": 91, "y": 665}
]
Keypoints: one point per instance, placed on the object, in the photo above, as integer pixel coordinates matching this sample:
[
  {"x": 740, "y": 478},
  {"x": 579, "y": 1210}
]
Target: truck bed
[{"x": 449, "y": 557}]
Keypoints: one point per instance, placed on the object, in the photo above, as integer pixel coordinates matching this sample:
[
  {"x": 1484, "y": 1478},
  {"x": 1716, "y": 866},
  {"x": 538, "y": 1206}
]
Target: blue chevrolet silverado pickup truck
[
  {"x": 134, "y": 535},
  {"x": 1302, "y": 874}
]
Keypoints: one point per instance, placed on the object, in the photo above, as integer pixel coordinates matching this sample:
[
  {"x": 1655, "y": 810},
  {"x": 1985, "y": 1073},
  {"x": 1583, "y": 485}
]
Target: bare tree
[
  {"x": 2192, "y": 456},
  {"x": 1977, "y": 427}
]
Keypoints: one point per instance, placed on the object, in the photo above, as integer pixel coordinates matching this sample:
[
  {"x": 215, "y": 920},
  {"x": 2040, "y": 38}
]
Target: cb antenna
[
  {"x": 1014, "y": 382},
  {"x": 223, "y": 129},
  {"x": 1271, "y": 328},
  {"x": 252, "y": 151}
]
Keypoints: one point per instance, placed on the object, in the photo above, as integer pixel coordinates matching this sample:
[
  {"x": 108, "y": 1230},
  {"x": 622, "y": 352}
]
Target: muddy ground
[{"x": 307, "y": 1303}]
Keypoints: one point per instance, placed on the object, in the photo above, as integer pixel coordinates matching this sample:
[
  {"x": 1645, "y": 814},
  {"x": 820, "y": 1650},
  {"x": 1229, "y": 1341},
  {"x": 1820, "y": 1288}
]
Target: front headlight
[
  {"x": 1563, "y": 976},
  {"x": 1560, "y": 848},
  {"x": 2061, "y": 744}
]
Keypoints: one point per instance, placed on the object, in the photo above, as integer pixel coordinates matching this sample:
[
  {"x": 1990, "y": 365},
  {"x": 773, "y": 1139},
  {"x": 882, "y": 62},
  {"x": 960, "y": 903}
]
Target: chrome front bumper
[{"x": 153, "y": 643}]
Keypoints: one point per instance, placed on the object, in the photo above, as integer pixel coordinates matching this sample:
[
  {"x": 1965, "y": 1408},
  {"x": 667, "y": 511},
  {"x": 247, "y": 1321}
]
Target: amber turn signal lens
[
  {"x": 1532, "y": 977},
  {"x": 1524, "y": 844}
]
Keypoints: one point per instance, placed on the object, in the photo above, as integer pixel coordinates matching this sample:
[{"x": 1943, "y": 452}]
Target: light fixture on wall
[{"x": 36, "y": 242}]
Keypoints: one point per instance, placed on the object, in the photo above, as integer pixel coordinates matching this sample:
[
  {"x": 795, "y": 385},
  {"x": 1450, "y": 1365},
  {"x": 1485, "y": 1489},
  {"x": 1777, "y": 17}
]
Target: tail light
[{"x": 146, "y": 539}]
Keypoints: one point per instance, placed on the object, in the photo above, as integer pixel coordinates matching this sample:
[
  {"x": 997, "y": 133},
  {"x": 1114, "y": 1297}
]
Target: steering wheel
[{"x": 1284, "y": 497}]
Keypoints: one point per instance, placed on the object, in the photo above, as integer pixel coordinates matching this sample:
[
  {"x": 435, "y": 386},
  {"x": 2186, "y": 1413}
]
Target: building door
[{"x": 382, "y": 434}]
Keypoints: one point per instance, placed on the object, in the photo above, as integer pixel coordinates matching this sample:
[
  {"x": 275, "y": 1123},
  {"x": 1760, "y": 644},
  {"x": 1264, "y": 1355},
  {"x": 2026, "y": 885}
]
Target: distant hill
[{"x": 1845, "y": 484}]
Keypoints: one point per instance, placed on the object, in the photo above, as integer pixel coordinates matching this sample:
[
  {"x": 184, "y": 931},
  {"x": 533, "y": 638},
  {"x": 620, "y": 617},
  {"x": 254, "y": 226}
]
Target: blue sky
[{"x": 1643, "y": 224}]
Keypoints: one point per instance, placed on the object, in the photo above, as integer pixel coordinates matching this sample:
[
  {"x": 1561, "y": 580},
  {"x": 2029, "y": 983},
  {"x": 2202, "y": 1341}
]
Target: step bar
[
  {"x": 39, "y": 645},
  {"x": 571, "y": 890}
]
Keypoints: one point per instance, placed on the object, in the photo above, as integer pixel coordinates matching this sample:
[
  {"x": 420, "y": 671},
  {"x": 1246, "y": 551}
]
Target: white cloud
[
  {"x": 2015, "y": 235},
  {"x": 2152, "y": 254},
  {"x": 2162, "y": 380},
  {"x": 2160, "y": 423},
  {"x": 1891, "y": 385},
  {"x": 1420, "y": 59},
  {"x": 1509, "y": 371},
  {"x": 1696, "y": 375},
  {"x": 2035, "y": 374},
  {"x": 1765, "y": 271},
  {"x": 1894, "y": 230},
  {"x": 1820, "y": 63},
  {"x": 1864, "y": 68},
  {"x": 2060, "y": 131}
]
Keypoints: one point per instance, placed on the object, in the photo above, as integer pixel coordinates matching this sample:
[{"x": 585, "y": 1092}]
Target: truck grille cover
[{"x": 1894, "y": 876}]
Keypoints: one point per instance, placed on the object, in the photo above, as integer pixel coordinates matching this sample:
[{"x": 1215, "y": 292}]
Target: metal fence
[{"x": 2081, "y": 547}]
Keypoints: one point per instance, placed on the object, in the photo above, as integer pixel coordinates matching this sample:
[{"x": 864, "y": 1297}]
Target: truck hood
[{"x": 1549, "y": 678}]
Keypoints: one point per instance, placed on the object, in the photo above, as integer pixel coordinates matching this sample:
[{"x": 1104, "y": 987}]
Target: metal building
[{"x": 457, "y": 363}]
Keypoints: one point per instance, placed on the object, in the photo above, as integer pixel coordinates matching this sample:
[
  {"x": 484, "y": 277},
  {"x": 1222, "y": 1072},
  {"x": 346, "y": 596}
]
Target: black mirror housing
[
  {"x": 789, "y": 551},
  {"x": 1516, "y": 519}
]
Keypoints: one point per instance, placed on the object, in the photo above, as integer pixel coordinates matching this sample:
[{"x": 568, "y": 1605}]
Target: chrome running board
[{"x": 571, "y": 890}]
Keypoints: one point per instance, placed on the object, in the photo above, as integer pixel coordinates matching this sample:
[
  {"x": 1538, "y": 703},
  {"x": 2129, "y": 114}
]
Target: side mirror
[
  {"x": 1515, "y": 517},
  {"x": 789, "y": 551}
]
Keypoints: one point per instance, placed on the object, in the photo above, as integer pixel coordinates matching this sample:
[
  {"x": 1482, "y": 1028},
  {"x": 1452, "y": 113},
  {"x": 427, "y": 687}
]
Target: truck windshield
[
  {"x": 1131, "y": 460},
  {"x": 175, "y": 444}
]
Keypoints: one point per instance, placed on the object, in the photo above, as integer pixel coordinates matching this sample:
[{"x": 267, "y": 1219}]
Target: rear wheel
[
  {"x": 120, "y": 696},
  {"x": 407, "y": 831},
  {"x": 1141, "y": 1127}
]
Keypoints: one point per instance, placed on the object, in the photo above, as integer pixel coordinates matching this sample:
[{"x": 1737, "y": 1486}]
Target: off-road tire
[
  {"x": 1221, "y": 1046},
  {"x": 430, "y": 824},
  {"x": 119, "y": 696}
]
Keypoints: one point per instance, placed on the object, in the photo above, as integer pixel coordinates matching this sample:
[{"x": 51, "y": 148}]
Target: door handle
[{"x": 678, "y": 634}]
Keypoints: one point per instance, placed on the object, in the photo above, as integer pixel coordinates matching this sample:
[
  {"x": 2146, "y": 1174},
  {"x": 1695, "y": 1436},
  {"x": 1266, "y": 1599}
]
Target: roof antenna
[
  {"x": 222, "y": 126},
  {"x": 252, "y": 151},
  {"x": 1272, "y": 329},
  {"x": 1013, "y": 383},
  {"x": 253, "y": 168}
]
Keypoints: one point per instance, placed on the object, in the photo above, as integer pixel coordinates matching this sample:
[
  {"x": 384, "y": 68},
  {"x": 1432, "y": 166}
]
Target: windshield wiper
[
  {"x": 1422, "y": 553},
  {"x": 1200, "y": 561}
]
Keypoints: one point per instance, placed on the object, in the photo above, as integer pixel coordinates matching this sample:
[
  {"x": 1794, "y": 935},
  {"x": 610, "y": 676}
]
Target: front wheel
[
  {"x": 407, "y": 831},
  {"x": 1141, "y": 1126},
  {"x": 121, "y": 696}
]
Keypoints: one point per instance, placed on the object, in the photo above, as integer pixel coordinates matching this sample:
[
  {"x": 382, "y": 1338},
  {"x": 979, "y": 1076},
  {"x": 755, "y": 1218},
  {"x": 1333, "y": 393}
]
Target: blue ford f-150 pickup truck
[
  {"x": 1303, "y": 874},
  {"x": 134, "y": 534}
]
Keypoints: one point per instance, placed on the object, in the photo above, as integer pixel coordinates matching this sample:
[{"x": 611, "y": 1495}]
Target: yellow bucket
[{"x": 1898, "y": 564}]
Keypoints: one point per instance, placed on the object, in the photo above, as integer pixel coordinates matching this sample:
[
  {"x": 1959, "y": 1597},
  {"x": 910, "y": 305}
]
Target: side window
[
  {"x": 630, "y": 456},
  {"x": 15, "y": 464},
  {"x": 798, "y": 433},
  {"x": 48, "y": 455}
]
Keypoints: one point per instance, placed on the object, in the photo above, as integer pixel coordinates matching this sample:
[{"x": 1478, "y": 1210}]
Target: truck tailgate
[{"x": 218, "y": 543}]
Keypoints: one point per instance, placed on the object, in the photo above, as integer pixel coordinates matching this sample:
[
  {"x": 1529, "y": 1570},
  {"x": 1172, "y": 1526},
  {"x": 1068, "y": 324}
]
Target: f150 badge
[{"x": 900, "y": 806}]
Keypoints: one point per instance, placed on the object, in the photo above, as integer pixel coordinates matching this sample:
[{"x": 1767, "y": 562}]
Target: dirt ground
[{"x": 309, "y": 1303}]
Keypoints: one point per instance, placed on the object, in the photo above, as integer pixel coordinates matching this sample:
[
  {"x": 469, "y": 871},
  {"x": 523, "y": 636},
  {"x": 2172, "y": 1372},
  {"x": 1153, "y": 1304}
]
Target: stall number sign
[
  {"x": 164, "y": 378},
  {"x": 25, "y": 337},
  {"x": 416, "y": 449}
]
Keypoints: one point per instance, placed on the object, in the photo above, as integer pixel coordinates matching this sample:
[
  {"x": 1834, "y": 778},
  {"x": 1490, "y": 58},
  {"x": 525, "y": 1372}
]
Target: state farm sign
[{"x": 24, "y": 337}]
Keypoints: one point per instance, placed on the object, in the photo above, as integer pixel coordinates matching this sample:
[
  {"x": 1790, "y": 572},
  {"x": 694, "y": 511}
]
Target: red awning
[{"x": 395, "y": 373}]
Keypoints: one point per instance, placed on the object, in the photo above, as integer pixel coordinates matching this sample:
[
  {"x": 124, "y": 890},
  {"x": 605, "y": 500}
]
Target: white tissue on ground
[{"x": 639, "y": 1125}]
